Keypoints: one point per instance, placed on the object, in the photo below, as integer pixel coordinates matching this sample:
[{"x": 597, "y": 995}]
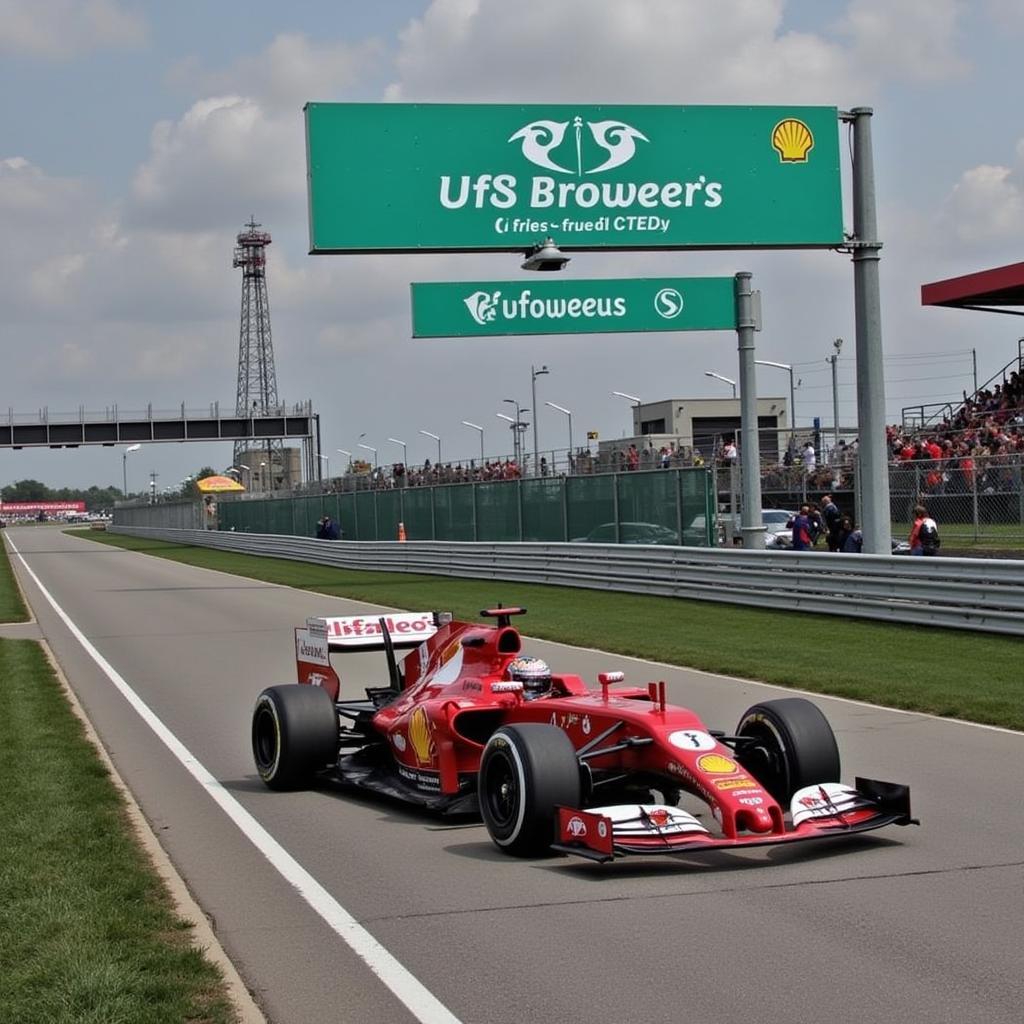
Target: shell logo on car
[
  {"x": 419, "y": 737},
  {"x": 716, "y": 764}
]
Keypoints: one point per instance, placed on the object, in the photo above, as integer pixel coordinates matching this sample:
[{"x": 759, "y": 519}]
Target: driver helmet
[{"x": 533, "y": 673}]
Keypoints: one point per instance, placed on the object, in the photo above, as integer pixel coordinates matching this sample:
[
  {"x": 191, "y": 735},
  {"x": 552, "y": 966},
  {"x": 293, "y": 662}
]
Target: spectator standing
[
  {"x": 924, "y": 534},
  {"x": 810, "y": 458},
  {"x": 833, "y": 519},
  {"x": 851, "y": 540},
  {"x": 802, "y": 529},
  {"x": 817, "y": 523}
]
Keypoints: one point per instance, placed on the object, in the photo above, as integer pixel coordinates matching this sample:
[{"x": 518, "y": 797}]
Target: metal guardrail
[{"x": 960, "y": 593}]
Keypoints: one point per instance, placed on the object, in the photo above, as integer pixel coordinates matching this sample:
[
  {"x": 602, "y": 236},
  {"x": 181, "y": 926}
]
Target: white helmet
[{"x": 533, "y": 673}]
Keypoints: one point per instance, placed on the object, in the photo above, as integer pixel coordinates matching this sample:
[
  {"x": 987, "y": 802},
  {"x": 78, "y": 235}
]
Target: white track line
[{"x": 419, "y": 1000}]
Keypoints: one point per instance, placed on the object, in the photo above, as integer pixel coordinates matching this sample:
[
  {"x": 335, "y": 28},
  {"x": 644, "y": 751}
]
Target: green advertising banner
[
  {"x": 473, "y": 309},
  {"x": 393, "y": 177}
]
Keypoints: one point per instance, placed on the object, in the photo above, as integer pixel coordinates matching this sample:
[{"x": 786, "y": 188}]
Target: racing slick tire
[
  {"x": 791, "y": 745},
  {"x": 294, "y": 734},
  {"x": 526, "y": 771}
]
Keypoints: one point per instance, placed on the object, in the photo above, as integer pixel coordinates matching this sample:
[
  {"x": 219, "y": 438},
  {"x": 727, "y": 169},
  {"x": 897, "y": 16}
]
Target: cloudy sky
[{"x": 136, "y": 138}]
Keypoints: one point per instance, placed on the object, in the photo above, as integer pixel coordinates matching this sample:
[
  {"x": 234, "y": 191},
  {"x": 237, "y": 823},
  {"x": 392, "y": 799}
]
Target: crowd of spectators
[
  {"x": 968, "y": 450},
  {"x": 964, "y": 451}
]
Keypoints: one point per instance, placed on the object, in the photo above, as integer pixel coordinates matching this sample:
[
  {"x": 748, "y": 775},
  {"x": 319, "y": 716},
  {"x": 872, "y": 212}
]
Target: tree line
[{"x": 95, "y": 498}]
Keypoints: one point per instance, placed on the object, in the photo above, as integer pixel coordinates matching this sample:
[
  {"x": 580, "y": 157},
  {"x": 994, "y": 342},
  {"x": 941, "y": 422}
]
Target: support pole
[
  {"x": 751, "y": 525},
  {"x": 872, "y": 452}
]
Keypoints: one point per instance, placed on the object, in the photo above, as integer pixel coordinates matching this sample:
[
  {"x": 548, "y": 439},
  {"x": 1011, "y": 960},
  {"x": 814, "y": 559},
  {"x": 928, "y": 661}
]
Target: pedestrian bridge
[{"x": 114, "y": 426}]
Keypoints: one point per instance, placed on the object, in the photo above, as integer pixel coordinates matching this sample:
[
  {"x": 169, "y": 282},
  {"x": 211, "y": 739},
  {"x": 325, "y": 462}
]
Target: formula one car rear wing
[
  {"x": 315, "y": 641},
  {"x": 364, "y": 633}
]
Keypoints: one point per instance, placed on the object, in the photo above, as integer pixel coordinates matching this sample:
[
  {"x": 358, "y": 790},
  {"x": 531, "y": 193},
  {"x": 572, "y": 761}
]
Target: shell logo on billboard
[
  {"x": 419, "y": 737},
  {"x": 792, "y": 140}
]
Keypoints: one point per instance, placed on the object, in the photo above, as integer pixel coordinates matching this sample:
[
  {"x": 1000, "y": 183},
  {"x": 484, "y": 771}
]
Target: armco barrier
[{"x": 961, "y": 593}]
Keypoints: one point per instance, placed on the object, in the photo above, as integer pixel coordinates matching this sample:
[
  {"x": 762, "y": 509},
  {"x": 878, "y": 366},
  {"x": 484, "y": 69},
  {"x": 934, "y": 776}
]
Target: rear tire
[
  {"x": 525, "y": 772},
  {"x": 294, "y": 735},
  {"x": 792, "y": 746}
]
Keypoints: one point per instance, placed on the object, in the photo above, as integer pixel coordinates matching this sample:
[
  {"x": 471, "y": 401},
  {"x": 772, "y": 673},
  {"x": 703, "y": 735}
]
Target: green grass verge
[
  {"x": 955, "y": 673},
  {"x": 12, "y": 608},
  {"x": 88, "y": 934}
]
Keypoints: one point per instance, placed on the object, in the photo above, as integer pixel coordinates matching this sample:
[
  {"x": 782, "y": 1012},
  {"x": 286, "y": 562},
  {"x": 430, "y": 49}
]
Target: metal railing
[{"x": 957, "y": 593}]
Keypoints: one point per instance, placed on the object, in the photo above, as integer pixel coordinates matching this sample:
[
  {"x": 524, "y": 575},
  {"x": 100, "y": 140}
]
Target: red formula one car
[{"x": 466, "y": 724}]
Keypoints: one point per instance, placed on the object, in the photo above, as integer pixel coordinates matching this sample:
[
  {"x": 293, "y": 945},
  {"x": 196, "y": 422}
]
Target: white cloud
[
  {"x": 986, "y": 206},
  {"x": 658, "y": 51},
  {"x": 289, "y": 72},
  {"x": 223, "y": 159},
  {"x": 59, "y": 29},
  {"x": 914, "y": 39}
]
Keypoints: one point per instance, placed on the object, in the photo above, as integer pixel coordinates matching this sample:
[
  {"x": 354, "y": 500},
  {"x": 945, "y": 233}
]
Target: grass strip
[
  {"x": 12, "y": 608},
  {"x": 88, "y": 934},
  {"x": 955, "y": 673}
]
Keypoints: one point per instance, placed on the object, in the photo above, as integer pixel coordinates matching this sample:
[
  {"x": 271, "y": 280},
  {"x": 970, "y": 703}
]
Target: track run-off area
[{"x": 336, "y": 907}]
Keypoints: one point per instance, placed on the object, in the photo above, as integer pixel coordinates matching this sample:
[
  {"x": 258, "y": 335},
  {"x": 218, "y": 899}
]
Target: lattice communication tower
[{"x": 257, "y": 379}]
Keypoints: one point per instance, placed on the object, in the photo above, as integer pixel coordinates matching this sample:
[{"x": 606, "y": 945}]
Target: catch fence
[{"x": 667, "y": 507}]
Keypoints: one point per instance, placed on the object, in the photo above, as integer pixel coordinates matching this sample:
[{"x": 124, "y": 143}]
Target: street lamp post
[
  {"x": 562, "y": 409},
  {"x": 369, "y": 448},
  {"x": 405, "y": 450},
  {"x": 325, "y": 459},
  {"x": 636, "y": 405},
  {"x": 792, "y": 396},
  {"x": 480, "y": 430},
  {"x": 427, "y": 433},
  {"x": 534, "y": 374},
  {"x": 514, "y": 427},
  {"x": 124, "y": 467},
  {"x": 718, "y": 376},
  {"x": 263, "y": 476},
  {"x": 346, "y": 452},
  {"x": 834, "y": 360},
  {"x": 518, "y": 426}
]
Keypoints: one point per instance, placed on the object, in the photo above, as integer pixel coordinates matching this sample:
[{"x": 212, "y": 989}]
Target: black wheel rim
[
  {"x": 501, "y": 787},
  {"x": 765, "y": 759},
  {"x": 264, "y": 738}
]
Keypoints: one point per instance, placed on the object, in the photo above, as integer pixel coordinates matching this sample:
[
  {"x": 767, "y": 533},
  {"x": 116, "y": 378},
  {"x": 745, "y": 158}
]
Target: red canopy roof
[{"x": 1002, "y": 286}]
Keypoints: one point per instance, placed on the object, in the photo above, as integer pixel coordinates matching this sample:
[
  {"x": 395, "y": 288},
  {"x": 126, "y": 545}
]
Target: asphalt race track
[{"x": 908, "y": 924}]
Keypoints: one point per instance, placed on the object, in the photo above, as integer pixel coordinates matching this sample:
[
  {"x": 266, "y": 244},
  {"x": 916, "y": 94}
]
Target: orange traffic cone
[{"x": 401, "y": 532}]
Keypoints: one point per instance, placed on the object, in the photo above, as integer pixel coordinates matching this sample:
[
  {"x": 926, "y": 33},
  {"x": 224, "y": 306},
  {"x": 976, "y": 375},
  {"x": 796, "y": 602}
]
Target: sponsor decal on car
[
  {"x": 692, "y": 739},
  {"x": 420, "y": 737},
  {"x": 422, "y": 780},
  {"x": 716, "y": 764},
  {"x": 577, "y": 827},
  {"x": 399, "y": 741},
  {"x": 734, "y": 784},
  {"x": 751, "y": 801}
]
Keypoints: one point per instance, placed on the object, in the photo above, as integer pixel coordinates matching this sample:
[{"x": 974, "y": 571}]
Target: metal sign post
[
  {"x": 871, "y": 447},
  {"x": 751, "y": 524}
]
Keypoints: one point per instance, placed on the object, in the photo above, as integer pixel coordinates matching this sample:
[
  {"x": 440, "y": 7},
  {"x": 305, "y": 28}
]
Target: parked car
[{"x": 629, "y": 533}]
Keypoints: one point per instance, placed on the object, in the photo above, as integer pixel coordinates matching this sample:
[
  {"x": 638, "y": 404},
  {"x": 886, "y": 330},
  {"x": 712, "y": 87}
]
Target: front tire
[
  {"x": 790, "y": 745},
  {"x": 526, "y": 771},
  {"x": 294, "y": 735}
]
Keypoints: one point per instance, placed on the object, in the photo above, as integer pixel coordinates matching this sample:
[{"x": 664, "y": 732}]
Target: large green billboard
[
  {"x": 409, "y": 177},
  {"x": 493, "y": 308}
]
